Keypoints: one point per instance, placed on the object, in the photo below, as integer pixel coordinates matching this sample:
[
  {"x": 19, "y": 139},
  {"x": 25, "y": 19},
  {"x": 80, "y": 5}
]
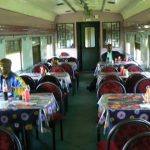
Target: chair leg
[
  {"x": 77, "y": 83},
  {"x": 53, "y": 136},
  {"x": 61, "y": 130}
]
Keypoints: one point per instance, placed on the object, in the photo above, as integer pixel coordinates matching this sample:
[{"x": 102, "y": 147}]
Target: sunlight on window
[
  {"x": 128, "y": 49},
  {"x": 16, "y": 62},
  {"x": 49, "y": 51}
]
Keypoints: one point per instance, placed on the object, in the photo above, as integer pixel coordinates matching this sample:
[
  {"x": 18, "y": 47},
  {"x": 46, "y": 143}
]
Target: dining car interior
[{"x": 74, "y": 74}]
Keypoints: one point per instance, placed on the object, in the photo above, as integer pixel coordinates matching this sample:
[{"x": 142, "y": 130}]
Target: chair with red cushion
[
  {"x": 64, "y": 54},
  {"x": 77, "y": 74},
  {"x": 134, "y": 68},
  {"x": 110, "y": 87},
  {"x": 29, "y": 81},
  {"x": 132, "y": 80},
  {"x": 109, "y": 69},
  {"x": 40, "y": 68},
  {"x": 57, "y": 116},
  {"x": 57, "y": 69},
  {"x": 111, "y": 77},
  {"x": 122, "y": 132},
  {"x": 8, "y": 140},
  {"x": 53, "y": 79},
  {"x": 68, "y": 68},
  {"x": 138, "y": 142},
  {"x": 141, "y": 85}
]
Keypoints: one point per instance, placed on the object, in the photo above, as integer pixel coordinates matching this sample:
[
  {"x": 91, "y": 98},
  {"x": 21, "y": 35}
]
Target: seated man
[
  {"x": 12, "y": 80},
  {"x": 107, "y": 56},
  {"x": 111, "y": 55}
]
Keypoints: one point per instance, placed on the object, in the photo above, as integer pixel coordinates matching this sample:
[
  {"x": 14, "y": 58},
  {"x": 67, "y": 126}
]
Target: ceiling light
[
  {"x": 146, "y": 26},
  {"x": 112, "y": 1},
  {"x": 59, "y": 2}
]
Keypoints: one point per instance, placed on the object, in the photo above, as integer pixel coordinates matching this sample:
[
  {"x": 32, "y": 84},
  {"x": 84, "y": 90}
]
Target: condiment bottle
[
  {"x": 5, "y": 89},
  {"x": 27, "y": 94}
]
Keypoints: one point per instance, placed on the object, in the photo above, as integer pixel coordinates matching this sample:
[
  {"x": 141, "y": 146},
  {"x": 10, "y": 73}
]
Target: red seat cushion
[{"x": 102, "y": 145}]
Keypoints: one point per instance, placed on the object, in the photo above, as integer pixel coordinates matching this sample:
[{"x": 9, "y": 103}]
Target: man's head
[
  {"x": 109, "y": 47},
  {"x": 5, "y": 66}
]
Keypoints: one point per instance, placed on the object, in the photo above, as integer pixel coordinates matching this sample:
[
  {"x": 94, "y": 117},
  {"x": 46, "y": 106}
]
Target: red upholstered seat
[
  {"x": 108, "y": 69},
  {"x": 122, "y": 132},
  {"x": 29, "y": 81},
  {"x": 111, "y": 77},
  {"x": 110, "y": 87},
  {"x": 64, "y": 54},
  {"x": 134, "y": 68},
  {"x": 103, "y": 144},
  {"x": 8, "y": 140},
  {"x": 138, "y": 142},
  {"x": 132, "y": 80},
  {"x": 57, "y": 69},
  {"x": 40, "y": 68},
  {"x": 141, "y": 85},
  {"x": 57, "y": 116}
]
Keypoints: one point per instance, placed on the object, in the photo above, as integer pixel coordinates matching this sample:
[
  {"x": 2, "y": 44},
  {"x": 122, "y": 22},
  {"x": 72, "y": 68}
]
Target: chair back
[
  {"x": 64, "y": 54},
  {"x": 51, "y": 88},
  {"x": 49, "y": 78},
  {"x": 68, "y": 69},
  {"x": 29, "y": 81},
  {"x": 108, "y": 69},
  {"x": 132, "y": 80},
  {"x": 57, "y": 69},
  {"x": 134, "y": 68},
  {"x": 40, "y": 68},
  {"x": 53, "y": 58},
  {"x": 141, "y": 85},
  {"x": 110, "y": 87},
  {"x": 138, "y": 142},
  {"x": 126, "y": 129},
  {"x": 111, "y": 77},
  {"x": 8, "y": 140}
]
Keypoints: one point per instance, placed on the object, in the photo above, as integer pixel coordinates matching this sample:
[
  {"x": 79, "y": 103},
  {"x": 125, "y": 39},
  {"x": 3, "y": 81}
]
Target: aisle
[{"x": 80, "y": 121}]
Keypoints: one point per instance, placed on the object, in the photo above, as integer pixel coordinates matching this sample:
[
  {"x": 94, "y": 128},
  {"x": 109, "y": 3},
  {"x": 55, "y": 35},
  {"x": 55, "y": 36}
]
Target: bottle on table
[{"x": 5, "y": 89}]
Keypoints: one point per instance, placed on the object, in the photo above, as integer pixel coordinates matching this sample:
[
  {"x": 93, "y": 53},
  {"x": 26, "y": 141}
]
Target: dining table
[
  {"x": 63, "y": 77},
  {"x": 22, "y": 116},
  {"x": 114, "y": 108}
]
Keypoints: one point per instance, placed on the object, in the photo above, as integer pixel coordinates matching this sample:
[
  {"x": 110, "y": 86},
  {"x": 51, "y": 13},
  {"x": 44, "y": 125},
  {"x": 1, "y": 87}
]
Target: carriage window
[
  {"x": 89, "y": 37},
  {"x": 111, "y": 33},
  {"x": 13, "y": 52},
  {"x": 65, "y": 35}
]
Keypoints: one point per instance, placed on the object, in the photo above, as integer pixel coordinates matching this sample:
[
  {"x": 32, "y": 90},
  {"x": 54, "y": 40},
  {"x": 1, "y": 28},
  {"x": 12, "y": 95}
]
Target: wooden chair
[{"x": 8, "y": 140}]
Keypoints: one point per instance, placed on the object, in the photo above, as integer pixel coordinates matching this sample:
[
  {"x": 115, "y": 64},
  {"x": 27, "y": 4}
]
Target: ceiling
[{"x": 32, "y": 15}]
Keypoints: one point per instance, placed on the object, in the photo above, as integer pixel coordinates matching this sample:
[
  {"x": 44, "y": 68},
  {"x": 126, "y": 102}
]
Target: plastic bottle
[
  {"x": 27, "y": 94},
  {"x": 5, "y": 89}
]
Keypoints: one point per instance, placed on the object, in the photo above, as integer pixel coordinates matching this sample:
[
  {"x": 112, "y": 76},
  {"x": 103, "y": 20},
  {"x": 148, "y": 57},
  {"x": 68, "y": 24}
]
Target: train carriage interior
[{"x": 44, "y": 32}]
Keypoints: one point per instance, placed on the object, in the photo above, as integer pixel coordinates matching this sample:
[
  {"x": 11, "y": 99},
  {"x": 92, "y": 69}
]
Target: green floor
[{"x": 79, "y": 122}]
